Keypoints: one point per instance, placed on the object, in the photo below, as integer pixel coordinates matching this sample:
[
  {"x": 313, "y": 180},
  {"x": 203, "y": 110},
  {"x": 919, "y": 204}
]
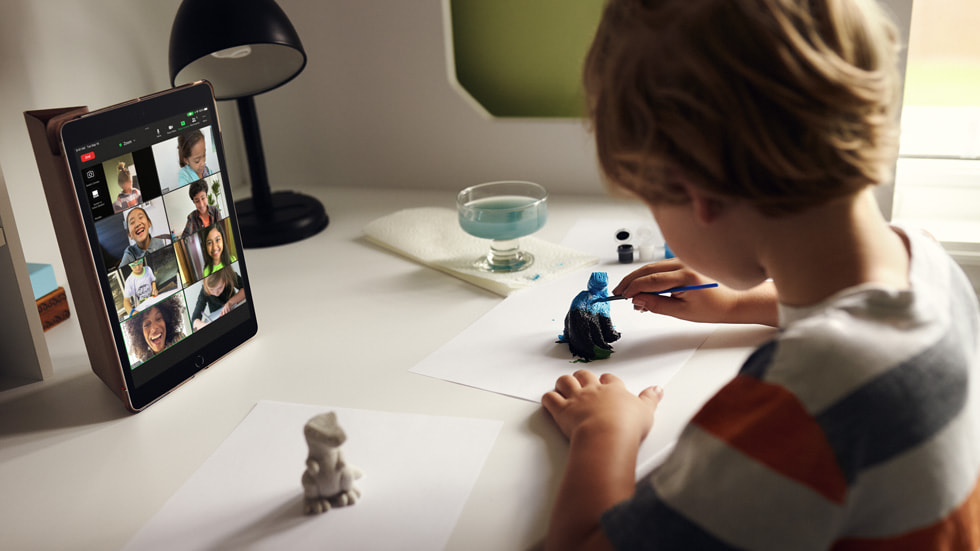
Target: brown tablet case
[{"x": 44, "y": 128}]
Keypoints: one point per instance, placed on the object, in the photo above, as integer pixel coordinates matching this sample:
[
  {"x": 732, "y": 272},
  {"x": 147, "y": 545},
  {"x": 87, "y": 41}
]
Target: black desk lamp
[{"x": 244, "y": 48}]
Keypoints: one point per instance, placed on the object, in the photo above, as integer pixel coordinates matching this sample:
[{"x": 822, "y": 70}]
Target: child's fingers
[
  {"x": 566, "y": 385},
  {"x": 653, "y": 395},
  {"x": 667, "y": 306},
  {"x": 658, "y": 282},
  {"x": 585, "y": 377},
  {"x": 552, "y": 402},
  {"x": 609, "y": 378},
  {"x": 654, "y": 268}
]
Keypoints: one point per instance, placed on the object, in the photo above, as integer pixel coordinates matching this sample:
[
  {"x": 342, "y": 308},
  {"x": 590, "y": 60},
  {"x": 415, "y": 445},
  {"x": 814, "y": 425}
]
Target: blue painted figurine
[{"x": 588, "y": 327}]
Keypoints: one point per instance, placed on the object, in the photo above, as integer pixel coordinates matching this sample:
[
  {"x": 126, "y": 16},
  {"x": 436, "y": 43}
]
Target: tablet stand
[{"x": 44, "y": 128}]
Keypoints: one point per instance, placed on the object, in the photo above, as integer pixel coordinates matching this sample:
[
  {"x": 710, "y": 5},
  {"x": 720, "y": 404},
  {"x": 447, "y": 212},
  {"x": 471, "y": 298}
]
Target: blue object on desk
[
  {"x": 42, "y": 279},
  {"x": 673, "y": 290}
]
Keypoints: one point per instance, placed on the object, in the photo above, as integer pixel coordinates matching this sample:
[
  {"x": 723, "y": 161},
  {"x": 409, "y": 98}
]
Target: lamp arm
[{"x": 261, "y": 193}]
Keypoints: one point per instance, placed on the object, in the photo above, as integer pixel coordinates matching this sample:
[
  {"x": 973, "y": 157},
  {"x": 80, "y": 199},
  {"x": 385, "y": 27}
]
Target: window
[
  {"x": 942, "y": 84},
  {"x": 938, "y": 178}
]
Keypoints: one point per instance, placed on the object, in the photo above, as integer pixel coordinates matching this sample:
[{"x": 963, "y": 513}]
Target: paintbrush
[{"x": 674, "y": 290}]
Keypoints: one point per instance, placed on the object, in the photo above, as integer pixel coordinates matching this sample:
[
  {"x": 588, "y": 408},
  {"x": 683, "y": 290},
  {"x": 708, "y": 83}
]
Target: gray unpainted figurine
[{"x": 328, "y": 480}]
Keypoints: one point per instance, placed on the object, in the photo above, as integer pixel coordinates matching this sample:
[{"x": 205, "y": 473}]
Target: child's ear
[{"x": 707, "y": 208}]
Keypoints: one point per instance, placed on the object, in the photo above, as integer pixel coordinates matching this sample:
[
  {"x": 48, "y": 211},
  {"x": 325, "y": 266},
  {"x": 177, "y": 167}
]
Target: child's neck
[{"x": 823, "y": 250}]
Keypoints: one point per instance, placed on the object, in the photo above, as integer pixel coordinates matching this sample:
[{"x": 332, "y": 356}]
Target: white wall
[
  {"x": 379, "y": 109},
  {"x": 59, "y": 54},
  {"x": 374, "y": 106}
]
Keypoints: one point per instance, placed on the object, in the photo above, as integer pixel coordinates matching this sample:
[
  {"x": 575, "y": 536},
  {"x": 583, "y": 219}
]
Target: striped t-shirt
[{"x": 857, "y": 428}]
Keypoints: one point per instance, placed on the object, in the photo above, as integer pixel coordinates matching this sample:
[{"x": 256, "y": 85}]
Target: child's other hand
[
  {"x": 715, "y": 305},
  {"x": 584, "y": 401}
]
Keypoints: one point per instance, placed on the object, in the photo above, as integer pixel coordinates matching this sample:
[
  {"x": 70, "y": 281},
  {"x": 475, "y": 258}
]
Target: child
[
  {"x": 130, "y": 195},
  {"x": 140, "y": 229},
  {"x": 203, "y": 214},
  {"x": 216, "y": 253},
  {"x": 220, "y": 292},
  {"x": 754, "y": 130},
  {"x": 193, "y": 155},
  {"x": 139, "y": 286}
]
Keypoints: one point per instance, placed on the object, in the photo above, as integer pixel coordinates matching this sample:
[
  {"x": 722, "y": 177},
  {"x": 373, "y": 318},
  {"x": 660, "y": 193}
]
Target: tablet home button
[{"x": 199, "y": 361}]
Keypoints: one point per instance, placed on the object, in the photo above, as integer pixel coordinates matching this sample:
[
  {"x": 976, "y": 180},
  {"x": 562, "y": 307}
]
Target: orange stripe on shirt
[
  {"x": 960, "y": 530},
  {"x": 769, "y": 424}
]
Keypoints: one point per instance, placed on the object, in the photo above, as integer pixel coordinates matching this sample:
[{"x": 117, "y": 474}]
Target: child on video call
[
  {"x": 140, "y": 229},
  {"x": 192, "y": 154},
  {"x": 216, "y": 253},
  {"x": 140, "y": 285},
  {"x": 755, "y": 130},
  {"x": 220, "y": 292},
  {"x": 130, "y": 195},
  {"x": 203, "y": 214}
]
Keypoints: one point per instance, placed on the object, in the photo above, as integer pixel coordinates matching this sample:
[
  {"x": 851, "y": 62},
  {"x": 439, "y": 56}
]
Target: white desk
[{"x": 340, "y": 324}]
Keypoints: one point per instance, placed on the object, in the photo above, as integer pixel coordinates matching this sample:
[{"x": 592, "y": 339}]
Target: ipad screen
[{"x": 156, "y": 200}]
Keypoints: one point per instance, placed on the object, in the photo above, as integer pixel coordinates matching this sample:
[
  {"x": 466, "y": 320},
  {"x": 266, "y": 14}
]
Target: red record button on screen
[{"x": 88, "y": 156}]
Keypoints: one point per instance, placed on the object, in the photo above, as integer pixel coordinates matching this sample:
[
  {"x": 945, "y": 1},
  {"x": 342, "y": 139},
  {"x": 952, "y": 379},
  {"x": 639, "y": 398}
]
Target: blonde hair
[
  {"x": 784, "y": 103},
  {"x": 226, "y": 275}
]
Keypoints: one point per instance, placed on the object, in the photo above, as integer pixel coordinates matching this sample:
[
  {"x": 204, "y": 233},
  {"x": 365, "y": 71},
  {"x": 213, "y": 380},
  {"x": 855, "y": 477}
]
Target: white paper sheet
[
  {"x": 512, "y": 350},
  {"x": 419, "y": 471}
]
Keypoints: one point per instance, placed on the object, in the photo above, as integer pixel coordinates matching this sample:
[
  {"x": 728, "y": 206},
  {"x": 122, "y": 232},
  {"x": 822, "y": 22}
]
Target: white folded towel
[{"x": 432, "y": 236}]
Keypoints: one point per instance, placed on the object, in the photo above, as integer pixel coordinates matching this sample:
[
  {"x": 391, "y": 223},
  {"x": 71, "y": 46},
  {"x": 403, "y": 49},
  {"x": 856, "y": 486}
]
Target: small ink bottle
[
  {"x": 625, "y": 254},
  {"x": 624, "y": 250}
]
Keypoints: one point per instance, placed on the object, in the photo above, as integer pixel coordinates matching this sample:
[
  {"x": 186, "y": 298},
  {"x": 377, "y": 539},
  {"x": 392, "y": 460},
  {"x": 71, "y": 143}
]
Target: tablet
[{"x": 156, "y": 206}]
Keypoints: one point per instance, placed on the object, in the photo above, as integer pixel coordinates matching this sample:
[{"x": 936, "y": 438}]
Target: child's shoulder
[
  {"x": 824, "y": 352},
  {"x": 858, "y": 322}
]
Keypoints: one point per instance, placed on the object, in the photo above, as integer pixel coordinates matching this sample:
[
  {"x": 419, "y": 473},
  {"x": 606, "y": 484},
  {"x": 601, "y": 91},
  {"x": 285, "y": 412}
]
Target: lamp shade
[{"x": 242, "y": 47}]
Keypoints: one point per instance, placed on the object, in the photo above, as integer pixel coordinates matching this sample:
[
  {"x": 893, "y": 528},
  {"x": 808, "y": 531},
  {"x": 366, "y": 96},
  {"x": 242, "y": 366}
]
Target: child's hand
[
  {"x": 716, "y": 305},
  {"x": 605, "y": 424},
  {"x": 600, "y": 403}
]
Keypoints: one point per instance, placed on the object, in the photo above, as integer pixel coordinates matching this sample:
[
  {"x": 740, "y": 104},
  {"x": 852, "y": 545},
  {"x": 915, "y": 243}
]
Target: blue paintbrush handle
[{"x": 674, "y": 290}]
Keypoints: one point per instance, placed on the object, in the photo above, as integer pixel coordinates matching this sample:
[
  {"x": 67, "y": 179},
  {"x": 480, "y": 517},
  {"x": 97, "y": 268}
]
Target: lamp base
[{"x": 293, "y": 217}]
